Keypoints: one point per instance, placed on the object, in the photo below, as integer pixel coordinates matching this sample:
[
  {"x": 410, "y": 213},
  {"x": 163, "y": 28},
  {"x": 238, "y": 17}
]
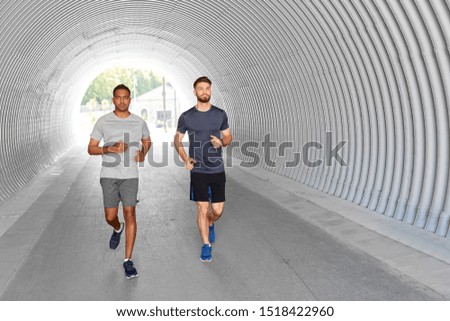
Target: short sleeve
[
  {"x": 181, "y": 128},
  {"x": 225, "y": 122},
  {"x": 97, "y": 132}
]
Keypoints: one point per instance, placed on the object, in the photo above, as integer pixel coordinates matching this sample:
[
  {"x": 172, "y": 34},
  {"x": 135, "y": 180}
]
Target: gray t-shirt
[{"x": 130, "y": 130}]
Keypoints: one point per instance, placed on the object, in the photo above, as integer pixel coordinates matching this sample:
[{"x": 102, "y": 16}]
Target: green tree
[{"x": 102, "y": 86}]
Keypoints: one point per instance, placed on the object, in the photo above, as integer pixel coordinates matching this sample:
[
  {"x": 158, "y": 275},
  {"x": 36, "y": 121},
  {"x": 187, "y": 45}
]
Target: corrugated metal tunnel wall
[{"x": 369, "y": 79}]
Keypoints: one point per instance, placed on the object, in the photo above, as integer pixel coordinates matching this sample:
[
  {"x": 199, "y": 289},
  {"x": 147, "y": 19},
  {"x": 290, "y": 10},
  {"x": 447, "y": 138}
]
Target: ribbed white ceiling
[{"x": 373, "y": 73}]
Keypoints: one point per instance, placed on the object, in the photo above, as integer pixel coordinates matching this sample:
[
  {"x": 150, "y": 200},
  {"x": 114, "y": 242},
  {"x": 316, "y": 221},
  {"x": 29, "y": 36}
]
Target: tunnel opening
[{"x": 154, "y": 99}]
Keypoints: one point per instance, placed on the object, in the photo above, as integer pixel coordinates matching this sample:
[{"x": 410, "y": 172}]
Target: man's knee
[
  {"x": 203, "y": 208},
  {"x": 110, "y": 219},
  {"x": 129, "y": 213},
  {"x": 111, "y": 214},
  {"x": 217, "y": 209}
]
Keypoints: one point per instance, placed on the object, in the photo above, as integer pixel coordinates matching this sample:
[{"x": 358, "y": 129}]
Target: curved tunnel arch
[{"x": 374, "y": 74}]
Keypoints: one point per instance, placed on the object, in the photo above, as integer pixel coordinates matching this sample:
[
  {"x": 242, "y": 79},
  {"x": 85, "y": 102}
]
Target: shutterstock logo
[
  {"x": 254, "y": 153},
  {"x": 265, "y": 151}
]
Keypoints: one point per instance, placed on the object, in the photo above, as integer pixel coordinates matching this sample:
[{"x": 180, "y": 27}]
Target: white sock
[
  {"x": 126, "y": 260},
  {"x": 121, "y": 228}
]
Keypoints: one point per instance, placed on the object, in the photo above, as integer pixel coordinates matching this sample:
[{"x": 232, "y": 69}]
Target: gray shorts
[{"x": 116, "y": 190}]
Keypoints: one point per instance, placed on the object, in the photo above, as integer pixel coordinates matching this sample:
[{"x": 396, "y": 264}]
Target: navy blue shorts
[{"x": 208, "y": 187}]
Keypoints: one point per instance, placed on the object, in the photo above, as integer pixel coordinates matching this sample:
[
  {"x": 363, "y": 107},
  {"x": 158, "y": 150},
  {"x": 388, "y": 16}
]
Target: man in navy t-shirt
[{"x": 205, "y": 125}]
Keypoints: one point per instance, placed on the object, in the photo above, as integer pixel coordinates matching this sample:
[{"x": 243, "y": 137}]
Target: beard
[{"x": 204, "y": 98}]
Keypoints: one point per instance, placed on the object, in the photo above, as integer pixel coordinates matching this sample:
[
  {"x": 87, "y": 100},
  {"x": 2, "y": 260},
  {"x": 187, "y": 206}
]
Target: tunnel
[{"x": 362, "y": 88}]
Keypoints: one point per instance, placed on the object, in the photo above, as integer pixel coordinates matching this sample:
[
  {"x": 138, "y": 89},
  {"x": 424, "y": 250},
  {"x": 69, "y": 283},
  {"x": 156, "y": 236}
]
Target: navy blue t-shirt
[{"x": 200, "y": 126}]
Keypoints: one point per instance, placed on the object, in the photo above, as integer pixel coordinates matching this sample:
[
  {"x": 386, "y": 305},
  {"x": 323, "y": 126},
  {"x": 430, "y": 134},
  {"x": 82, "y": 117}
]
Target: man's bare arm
[
  {"x": 94, "y": 149},
  {"x": 227, "y": 138},
  {"x": 146, "y": 144},
  {"x": 224, "y": 141},
  {"x": 177, "y": 142}
]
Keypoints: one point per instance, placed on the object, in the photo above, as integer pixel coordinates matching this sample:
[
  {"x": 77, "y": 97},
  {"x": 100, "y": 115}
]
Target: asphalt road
[{"x": 262, "y": 251}]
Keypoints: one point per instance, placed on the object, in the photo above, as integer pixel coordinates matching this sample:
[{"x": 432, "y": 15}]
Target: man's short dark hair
[
  {"x": 121, "y": 86},
  {"x": 202, "y": 79}
]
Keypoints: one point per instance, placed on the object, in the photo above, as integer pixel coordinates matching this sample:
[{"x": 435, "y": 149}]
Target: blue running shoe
[
  {"x": 212, "y": 234},
  {"x": 206, "y": 253},
  {"x": 130, "y": 270},
  {"x": 115, "y": 238}
]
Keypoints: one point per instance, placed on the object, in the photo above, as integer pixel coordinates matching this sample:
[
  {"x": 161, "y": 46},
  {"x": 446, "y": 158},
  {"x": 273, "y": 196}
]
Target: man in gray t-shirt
[{"x": 126, "y": 141}]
